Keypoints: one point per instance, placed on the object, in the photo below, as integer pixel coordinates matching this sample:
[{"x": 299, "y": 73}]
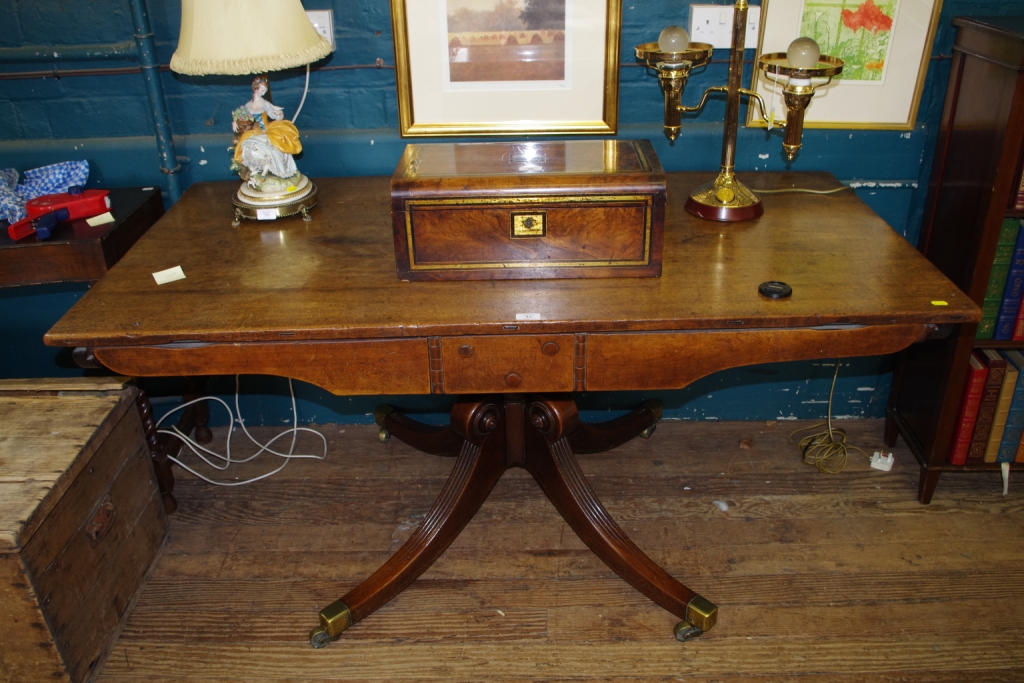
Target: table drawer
[{"x": 475, "y": 365}]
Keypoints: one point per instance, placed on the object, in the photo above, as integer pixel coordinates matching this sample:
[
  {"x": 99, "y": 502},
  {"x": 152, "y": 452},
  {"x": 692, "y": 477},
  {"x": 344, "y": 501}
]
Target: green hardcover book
[{"x": 997, "y": 279}]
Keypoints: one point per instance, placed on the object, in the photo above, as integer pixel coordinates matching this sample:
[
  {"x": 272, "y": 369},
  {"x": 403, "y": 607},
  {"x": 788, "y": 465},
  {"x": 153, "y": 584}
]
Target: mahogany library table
[{"x": 320, "y": 302}]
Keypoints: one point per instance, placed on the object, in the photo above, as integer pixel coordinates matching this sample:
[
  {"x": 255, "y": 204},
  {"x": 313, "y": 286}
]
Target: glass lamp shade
[
  {"x": 673, "y": 39},
  {"x": 803, "y": 53},
  {"x": 245, "y": 37}
]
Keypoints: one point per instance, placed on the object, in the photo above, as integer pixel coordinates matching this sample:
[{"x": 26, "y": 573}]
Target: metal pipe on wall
[
  {"x": 151, "y": 76},
  {"x": 143, "y": 50},
  {"x": 68, "y": 53}
]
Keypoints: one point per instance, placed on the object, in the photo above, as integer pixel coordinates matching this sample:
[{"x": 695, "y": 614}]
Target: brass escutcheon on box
[{"x": 528, "y": 225}]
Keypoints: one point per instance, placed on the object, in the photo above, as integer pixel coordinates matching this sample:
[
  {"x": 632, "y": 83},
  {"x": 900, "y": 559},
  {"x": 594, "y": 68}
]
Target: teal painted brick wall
[{"x": 349, "y": 127}]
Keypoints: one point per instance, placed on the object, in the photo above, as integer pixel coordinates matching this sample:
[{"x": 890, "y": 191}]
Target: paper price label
[
  {"x": 170, "y": 275},
  {"x": 266, "y": 214}
]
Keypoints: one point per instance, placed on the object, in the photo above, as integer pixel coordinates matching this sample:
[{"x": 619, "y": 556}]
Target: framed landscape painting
[
  {"x": 506, "y": 67},
  {"x": 886, "y": 45}
]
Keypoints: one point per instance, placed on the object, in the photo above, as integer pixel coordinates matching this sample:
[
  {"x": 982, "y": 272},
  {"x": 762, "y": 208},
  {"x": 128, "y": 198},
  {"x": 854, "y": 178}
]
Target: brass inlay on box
[
  {"x": 524, "y": 202},
  {"x": 528, "y": 225}
]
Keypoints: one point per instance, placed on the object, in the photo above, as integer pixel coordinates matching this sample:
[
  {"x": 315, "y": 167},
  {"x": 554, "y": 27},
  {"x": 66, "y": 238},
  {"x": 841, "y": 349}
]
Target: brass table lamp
[{"x": 725, "y": 198}]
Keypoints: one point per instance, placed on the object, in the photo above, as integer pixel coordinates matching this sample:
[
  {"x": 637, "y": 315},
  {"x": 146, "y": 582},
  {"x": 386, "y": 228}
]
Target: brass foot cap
[
  {"x": 334, "y": 619},
  {"x": 702, "y": 613}
]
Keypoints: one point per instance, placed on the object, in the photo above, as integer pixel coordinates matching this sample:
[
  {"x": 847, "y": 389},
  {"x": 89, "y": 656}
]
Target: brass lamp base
[
  {"x": 725, "y": 199},
  {"x": 267, "y": 206}
]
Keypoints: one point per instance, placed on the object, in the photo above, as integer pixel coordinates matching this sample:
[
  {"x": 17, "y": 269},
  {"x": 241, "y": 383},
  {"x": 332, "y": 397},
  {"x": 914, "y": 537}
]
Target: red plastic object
[
  {"x": 86, "y": 204},
  {"x": 22, "y": 228}
]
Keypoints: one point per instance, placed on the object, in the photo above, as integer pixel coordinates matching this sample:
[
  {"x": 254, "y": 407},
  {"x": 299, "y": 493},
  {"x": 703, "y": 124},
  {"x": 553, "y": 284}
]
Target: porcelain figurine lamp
[
  {"x": 673, "y": 57},
  {"x": 237, "y": 37}
]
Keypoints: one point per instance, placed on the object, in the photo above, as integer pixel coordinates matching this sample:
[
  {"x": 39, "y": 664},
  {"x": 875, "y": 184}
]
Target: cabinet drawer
[
  {"x": 508, "y": 364},
  {"x": 600, "y": 231},
  {"x": 586, "y": 236}
]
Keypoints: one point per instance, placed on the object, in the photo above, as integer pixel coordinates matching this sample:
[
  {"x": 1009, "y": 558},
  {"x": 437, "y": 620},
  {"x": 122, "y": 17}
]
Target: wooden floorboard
[{"x": 819, "y": 578}]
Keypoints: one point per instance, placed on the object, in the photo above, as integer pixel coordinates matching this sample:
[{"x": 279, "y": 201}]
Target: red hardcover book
[
  {"x": 1020, "y": 197},
  {"x": 977, "y": 373},
  {"x": 1018, "y": 327},
  {"x": 996, "y": 365}
]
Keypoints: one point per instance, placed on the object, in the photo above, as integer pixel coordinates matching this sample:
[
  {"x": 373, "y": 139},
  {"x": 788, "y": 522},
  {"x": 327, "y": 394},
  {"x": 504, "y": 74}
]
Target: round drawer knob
[
  {"x": 466, "y": 351},
  {"x": 513, "y": 380},
  {"x": 549, "y": 348}
]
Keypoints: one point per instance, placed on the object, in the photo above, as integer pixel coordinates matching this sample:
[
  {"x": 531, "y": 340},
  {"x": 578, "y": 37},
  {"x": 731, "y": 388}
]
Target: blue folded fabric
[
  {"x": 11, "y": 206},
  {"x": 52, "y": 179}
]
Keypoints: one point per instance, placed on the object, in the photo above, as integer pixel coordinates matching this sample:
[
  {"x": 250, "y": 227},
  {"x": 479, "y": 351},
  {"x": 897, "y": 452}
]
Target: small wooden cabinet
[
  {"x": 973, "y": 187},
  {"x": 77, "y": 251}
]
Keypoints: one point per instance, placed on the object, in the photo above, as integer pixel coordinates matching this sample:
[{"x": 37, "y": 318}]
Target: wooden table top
[{"x": 334, "y": 277}]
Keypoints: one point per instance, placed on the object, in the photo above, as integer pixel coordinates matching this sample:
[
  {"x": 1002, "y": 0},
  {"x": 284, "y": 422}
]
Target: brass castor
[
  {"x": 383, "y": 435},
  {"x": 685, "y": 631},
  {"x": 647, "y": 432},
  {"x": 319, "y": 638}
]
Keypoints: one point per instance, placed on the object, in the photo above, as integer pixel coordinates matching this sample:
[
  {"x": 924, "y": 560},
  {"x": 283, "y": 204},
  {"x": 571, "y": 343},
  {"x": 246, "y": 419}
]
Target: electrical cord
[
  {"x": 827, "y": 450},
  {"x": 804, "y": 190},
  {"x": 305, "y": 91},
  {"x": 200, "y": 450}
]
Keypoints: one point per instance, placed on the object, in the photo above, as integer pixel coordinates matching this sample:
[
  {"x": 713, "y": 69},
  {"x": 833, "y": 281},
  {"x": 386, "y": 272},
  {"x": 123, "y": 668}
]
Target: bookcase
[{"x": 974, "y": 185}]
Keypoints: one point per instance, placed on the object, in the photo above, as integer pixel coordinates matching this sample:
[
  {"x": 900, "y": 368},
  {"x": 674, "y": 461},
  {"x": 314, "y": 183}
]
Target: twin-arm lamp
[{"x": 673, "y": 57}]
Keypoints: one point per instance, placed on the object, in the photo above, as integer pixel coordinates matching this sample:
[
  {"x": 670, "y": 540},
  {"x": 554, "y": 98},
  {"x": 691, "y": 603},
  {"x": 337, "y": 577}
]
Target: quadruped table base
[{"x": 543, "y": 435}]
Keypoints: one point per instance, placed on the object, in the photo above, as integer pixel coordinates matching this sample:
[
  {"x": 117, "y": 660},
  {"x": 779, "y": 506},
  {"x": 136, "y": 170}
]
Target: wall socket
[
  {"x": 323, "y": 22},
  {"x": 712, "y": 24}
]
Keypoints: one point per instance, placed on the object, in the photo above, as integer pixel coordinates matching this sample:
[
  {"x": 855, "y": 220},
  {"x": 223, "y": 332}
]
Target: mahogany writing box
[{"x": 528, "y": 210}]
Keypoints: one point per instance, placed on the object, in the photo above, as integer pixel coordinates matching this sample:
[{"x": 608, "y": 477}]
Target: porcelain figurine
[{"x": 264, "y": 143}]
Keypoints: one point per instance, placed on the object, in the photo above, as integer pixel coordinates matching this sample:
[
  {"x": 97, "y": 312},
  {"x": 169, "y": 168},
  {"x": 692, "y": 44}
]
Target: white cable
[
  {"x": 303, "y": 100},
  {"x": 199, "y": 450}
]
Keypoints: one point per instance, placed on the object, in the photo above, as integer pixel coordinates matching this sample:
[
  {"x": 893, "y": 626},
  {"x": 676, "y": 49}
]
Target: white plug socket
[
  {"x": 323, "y": 22},
  {"x": 712, "y": 24},
  {"x": 882, "y": 461}
]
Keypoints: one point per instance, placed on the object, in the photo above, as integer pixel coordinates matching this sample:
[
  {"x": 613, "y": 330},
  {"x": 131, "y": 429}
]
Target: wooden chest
[
  {"x": 527, "y": 210},
  {"x": 81, "y": 523}
]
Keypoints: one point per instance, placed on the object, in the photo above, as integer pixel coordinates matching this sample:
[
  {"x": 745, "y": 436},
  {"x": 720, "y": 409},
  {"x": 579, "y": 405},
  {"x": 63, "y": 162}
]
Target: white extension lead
[{"x": 199, "y": 450}]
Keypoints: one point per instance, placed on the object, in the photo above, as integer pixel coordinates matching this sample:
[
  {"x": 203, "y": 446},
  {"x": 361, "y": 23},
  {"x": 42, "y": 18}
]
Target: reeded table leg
[
  {"x": 551, "y": 461},
  {"x": 539, "y": 434},
  {"x": 423, "y": 437},
  {"x": 478, "y": 468},
  {"x": 604, "y": 436}
]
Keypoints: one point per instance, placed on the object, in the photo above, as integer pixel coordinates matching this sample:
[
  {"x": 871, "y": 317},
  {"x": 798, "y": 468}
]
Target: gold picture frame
[
  {"x": 453, "y": 83},
  {"x": 878, "y": 90}
]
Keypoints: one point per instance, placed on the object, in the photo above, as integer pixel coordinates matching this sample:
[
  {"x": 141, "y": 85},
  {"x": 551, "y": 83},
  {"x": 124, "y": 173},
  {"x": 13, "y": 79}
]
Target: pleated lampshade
[{"x": 245, "y": 37}]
